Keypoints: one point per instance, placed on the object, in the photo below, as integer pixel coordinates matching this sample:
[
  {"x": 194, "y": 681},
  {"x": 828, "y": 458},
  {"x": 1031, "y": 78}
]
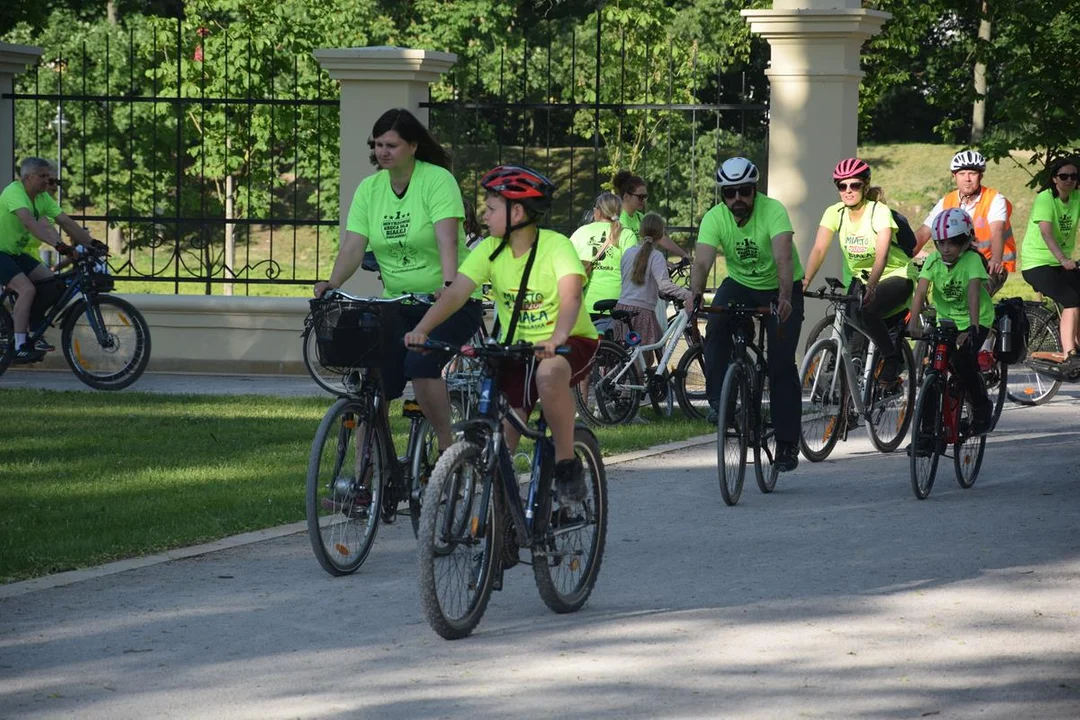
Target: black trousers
[
  {"x": 782, "y": 340},
  {"x": 891, "y": 293}
]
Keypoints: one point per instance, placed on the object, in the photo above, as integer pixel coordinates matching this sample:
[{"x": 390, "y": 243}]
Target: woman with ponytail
[
  {"x": 600, "y": 245},
  {"x": 644, "y": 277}
]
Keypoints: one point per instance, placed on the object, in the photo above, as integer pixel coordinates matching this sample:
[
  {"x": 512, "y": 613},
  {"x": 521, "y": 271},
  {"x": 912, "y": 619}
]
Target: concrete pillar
[
  {"x": 373, "y": 80},
  {"x": 13, "y": 61},
  {"x": 814, "y": 104}
]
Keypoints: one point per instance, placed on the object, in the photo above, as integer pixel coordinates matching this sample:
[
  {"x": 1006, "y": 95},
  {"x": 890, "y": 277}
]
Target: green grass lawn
[{"x": 92, "y": 477}]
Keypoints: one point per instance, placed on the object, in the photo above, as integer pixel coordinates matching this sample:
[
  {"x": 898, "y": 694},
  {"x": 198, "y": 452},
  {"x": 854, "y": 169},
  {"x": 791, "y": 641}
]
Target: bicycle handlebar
[
  {"x": 738, "y": 310},
  {"x": 339, "y": 294},
  {"x": 520, "y": 350}
]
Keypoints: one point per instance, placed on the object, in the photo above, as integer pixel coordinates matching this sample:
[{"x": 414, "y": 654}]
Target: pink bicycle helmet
[{"x": 851, "y": 167}]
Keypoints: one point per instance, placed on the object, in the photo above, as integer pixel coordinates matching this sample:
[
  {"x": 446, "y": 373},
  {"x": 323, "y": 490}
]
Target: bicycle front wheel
[
  {"x": 1025, "y": 386},
  {"x": 566, "y": 563},
  {"x": 610, "y": 402},
  {"x": 690, "y": 383},
  {"x": 765, "y": 470},
  {"x": 824, "y": 397},
  {"x": 888, "y": 405},
  {"x": 346, "y": 474},
  {"x": 733, "y": 431},
  {"x": 106, "y": 342},
  {"x": 458, "y": 548},
  {"x": 332, "y": 381},
  {"x": 926, "y": 432}
]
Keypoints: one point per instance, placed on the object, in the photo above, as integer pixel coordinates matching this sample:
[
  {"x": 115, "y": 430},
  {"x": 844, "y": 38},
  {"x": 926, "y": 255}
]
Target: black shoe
[
  {"x": 1070, "y": 366},
  {"x": 787, "y": 456},
  {"x": 889, "y": 370},
  {"x": 713, "y": 416},
  {"x": 983, "y": 420},
  {"x": 44, "y": 345},
  {"x": 922, "y": 447},
  {"x": 27, "y": 355},
  {"x": 570, "y": 480}
]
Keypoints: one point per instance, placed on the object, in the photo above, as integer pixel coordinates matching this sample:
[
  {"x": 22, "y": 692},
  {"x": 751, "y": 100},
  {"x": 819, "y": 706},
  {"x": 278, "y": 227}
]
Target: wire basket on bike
[{"x": 351, "y": 335}]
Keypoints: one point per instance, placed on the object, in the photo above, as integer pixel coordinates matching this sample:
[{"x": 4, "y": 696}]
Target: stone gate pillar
[
  {"x": 14, "y": 60},
  {"x": 373, "y": 80},
  {"x": 814, "y": 104}
]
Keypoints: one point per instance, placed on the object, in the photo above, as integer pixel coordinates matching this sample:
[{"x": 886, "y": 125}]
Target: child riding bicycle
[
  {"x": 537, "y": 280},
  {"x": 958, "y": 276}
]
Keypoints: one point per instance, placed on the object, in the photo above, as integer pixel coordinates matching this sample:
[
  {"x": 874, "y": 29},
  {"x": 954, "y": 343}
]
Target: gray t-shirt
[{"x": 656, "y": 281}]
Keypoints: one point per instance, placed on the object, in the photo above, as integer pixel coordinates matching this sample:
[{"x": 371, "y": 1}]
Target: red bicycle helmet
[
  {"x": 851, "y": 167},
  {"x": 521, "y": 185}
]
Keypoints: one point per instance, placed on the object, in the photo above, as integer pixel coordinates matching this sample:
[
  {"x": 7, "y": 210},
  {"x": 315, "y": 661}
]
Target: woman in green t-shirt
[
  {"x": 1046, "y": 255},
  {"x": 410, "y": 212},
  {"x": 633, "y": 193},
  {"x": 865, "y": 228},
  {"x": 600, "y": 245}
]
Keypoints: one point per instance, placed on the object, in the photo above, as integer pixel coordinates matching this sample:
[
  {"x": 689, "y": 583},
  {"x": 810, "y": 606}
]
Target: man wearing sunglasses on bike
[
  {"x": 27, "y": 210},
  {"x": 755, "y": 234}
]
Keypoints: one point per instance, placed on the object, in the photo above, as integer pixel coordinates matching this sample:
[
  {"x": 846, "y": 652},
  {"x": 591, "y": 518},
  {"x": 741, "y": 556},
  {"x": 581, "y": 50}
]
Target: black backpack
[
  {"x": 903, "y": 238},
  {"x": 1010, "y": 313}
]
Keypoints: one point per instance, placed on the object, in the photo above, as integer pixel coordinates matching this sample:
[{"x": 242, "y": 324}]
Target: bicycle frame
[
  {"x": 75, "y": 282},
  {"x": 668, "y": 341},
  {"x": 856, "y": 380}
]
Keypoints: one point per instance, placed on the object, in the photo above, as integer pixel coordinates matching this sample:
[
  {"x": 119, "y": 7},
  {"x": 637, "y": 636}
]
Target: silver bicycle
[{"x": 831, "y": 370}]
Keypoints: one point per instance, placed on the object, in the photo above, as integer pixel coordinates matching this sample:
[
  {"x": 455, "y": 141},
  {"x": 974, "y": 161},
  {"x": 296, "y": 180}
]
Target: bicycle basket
[{"x": 352, "y": 335}]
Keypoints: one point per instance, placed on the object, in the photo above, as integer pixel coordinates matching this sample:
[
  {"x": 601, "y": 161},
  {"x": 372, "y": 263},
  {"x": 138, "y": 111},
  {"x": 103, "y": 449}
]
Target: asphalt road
[{"x": 839, "y": 595}]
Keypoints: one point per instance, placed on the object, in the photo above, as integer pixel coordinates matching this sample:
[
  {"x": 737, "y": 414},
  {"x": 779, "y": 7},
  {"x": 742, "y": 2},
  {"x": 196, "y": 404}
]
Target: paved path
[{"x": 839, "y": 595}]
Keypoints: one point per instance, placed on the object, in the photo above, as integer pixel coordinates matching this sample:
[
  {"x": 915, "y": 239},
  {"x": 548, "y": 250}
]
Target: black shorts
[
  {"x": 1056, "y": 283},
  {"x": 12, "y": 265},
  {"x": 401, "y": 365}
]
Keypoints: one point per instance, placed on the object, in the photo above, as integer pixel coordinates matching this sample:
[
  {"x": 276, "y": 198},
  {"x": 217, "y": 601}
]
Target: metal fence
[
  {"x": 210, "y": 162},
  {"x": 204, "y": 159}
]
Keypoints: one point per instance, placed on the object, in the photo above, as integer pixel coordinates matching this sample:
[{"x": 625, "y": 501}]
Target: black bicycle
[
  {"x": 355, "y": 477},
  {"x": 475, "y": 517},
  {"x": 745, "y": 414},
  {"x": 105, "y": 340}
]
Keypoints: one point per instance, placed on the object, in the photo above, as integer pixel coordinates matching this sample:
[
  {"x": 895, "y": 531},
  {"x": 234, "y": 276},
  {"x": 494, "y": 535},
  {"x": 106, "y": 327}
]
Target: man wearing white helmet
[
  {"x": 956, "y": 273},
  {"x": 755, "y": 234},
  {"x": 989, "y": 210}
]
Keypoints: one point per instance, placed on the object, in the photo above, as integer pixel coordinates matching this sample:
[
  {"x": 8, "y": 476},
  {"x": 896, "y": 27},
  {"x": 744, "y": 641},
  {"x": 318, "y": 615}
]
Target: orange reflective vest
[{"x": 982, "y": 225}]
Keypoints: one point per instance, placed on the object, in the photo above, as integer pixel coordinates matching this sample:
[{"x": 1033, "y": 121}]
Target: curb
[{"x": 71, "y": 577}]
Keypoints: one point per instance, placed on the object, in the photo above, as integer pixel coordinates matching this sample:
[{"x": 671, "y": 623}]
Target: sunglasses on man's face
[
  {"x": 1068, "y": 176},
  {"x": 53, "y": 182},
  {"x": 641, "y": 196},
  {"x": 854, "y": 186},
  {"x": 742, "y": 191}
]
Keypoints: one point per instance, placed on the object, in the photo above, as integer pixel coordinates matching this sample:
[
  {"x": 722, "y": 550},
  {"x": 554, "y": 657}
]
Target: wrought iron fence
[
  {"x": 204, "y": 159},
  {"x": 580, "y": 103}
]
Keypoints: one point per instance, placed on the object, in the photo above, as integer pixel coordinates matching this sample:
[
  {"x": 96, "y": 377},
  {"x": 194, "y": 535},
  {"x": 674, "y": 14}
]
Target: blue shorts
[
  {"x": 401, "y": 365},
  {"x": 12, "y": 265}
]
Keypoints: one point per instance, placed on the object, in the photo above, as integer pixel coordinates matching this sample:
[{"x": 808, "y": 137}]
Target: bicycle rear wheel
[
  {"x": 347, "y": 471},
  {"x": 733, "y": 431},
  {"x": 426, "y": 454},
  {"x": 566, "y": 563},
  {"x": 765, "y": 471},
  {"x": 609, "y": 402},
  {"x": 889, "y": 404},
  {"x": 824, "y": 397},
  {"x": 7, "y": 339},
  {"x": 106, "y": 342},
  {"x": 457, "y": 559},
  {"x": 925, "y": 447},
  {"x": 1025, "y": 386},
  {"x": 690, "y": 383},
  {"x": 997, "y": 387},
  {"x": 968, "y": 451}
]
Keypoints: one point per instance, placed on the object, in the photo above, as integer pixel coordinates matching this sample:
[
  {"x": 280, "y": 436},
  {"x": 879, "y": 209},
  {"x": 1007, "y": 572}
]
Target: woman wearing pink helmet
[{"x": 865, "y": 228}]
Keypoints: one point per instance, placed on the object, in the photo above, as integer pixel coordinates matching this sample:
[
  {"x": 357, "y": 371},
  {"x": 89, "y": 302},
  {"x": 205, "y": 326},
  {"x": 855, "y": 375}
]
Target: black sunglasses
[
  {"x": 641, "y": 196},
  {"x": 854, "y": 185},
  {"x": 1068, "y": 176},
  {"x": 54, "y": 182},
  {"x": 742, "y": 191}
]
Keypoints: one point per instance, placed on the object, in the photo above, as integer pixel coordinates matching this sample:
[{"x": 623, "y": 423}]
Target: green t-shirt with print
[
  {"x": 1063, "y": 218},
  {"x": 605, "y": 282},
  {"x": 401, "y": 231},
  {"x": 555, "y": 259},
  {"x": 633, "y": 222},
  {"x": 748, "y": 249},
  {"x": 950, "y": 286},
  {"x": 858, "y": 240},
  {"x": 15, "y": 239}
]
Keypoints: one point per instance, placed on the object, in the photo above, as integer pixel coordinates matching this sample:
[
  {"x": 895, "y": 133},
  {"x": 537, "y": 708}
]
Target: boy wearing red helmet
[{"x": 552, "y": 313}]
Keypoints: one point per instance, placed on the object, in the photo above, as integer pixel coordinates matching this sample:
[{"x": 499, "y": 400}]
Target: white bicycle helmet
[
  {"x": 968, "y": 160},
  {"x": 737, "y": 171},
  {"x": 950, "y": 224}
]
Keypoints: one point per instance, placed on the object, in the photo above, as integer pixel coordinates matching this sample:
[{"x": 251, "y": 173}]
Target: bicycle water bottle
[
  {"x": 633, "y": 339},
  {"x": 484, "y": 405},
  {"x": 1004, "y": 338}
]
